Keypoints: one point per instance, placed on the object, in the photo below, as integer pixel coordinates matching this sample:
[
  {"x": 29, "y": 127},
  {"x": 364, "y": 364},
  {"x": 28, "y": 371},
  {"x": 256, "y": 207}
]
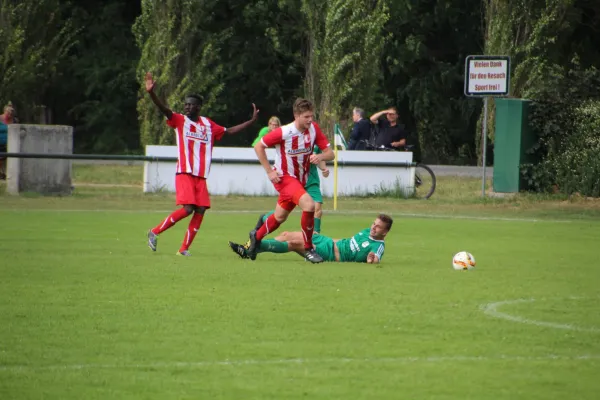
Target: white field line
[
  {"x": 491, "y": 309},
  {"x": 345, "y": 212},
  {"x": 302, "y": 361}
]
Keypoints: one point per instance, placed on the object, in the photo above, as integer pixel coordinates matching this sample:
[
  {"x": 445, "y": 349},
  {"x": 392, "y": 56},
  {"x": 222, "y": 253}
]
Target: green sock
[
  {"x": 272, "y": 246},
  {"x": 318, "y": 225},
  {"x": 267, "y": 215}
]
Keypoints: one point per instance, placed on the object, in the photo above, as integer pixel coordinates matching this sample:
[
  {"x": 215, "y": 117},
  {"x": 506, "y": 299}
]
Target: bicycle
[{"x": 425, "y": 180}]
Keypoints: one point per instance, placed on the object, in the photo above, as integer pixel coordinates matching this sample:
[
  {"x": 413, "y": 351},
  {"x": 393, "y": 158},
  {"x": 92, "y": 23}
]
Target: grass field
[{"x": 88, "y": 312}]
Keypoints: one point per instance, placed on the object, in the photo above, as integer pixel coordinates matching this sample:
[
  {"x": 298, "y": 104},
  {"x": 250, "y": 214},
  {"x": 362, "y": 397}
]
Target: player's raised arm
[
  {"x": 150, "y": 89},
  {"x": 244, "y": 125}
]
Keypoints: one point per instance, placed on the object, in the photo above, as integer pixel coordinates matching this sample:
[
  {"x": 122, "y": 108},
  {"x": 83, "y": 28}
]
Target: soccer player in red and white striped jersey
[
  {"x": 294, "y": 153},
  {"x": 195, "y": 136}
]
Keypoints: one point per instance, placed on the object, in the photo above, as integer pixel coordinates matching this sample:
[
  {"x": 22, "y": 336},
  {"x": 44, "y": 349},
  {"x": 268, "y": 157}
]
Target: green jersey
[
  {"x": 313, "y": 174},
  {"x": 358, "y": 247},
  {"x": 261, "y": 133}
]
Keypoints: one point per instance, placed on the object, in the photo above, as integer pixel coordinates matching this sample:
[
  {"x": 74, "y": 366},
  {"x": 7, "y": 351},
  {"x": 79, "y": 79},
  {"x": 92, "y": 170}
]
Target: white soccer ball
[{"x": 463, "y": 260}]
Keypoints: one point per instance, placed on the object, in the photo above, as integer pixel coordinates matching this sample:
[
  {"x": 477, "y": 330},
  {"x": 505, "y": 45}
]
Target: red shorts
[
  {"x": 290, "y": 190},
  {"x": 191, "y": 189}
]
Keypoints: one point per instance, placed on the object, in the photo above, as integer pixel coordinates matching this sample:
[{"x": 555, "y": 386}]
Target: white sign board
[
  {"x": 230, "y": 174},
  {"x": 487, "y": 75}
]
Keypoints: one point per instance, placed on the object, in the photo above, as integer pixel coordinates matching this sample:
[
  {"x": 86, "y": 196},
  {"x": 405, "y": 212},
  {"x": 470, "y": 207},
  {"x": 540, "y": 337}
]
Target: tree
[
  {"x": 423, "y": 69},
  {"x": 182, "y": 54},
  {"x": 35, "y": 37},
  {"x": 100, "y": 96},
  {"x": 232, "y": 52},
  {"x": 554, "y": 50},
  {"x": 349, "y": 57}
]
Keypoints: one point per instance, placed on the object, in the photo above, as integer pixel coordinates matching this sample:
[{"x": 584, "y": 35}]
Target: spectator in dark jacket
[
  {"x": 361, "y": 130},
  {"x": 391, "y": 133}
]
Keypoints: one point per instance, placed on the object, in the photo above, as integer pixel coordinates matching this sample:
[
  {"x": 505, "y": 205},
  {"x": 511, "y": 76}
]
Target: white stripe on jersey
[
  {"x": 178, "y": 152},
  {"x": 304, "y": 145},
  {"x": 379, "y": 251},
  {"x": 186, "y": 128},
  {"x": 208, "y": 152}
]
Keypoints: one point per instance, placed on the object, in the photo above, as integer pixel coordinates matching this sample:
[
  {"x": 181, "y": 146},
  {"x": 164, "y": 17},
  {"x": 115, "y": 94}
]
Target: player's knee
[
  {"x": 200, "y": 210},
  {"x": 189, "y": 208},
  {"x": 295, "y": 244},
  {"x": 308, "y": 205},
  {"x": 281, "y": 218},
  {"x": 283, "y": 237}
]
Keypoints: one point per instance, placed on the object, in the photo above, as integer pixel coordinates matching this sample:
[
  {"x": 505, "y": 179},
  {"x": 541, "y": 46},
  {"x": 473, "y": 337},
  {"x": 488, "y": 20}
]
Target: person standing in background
[
  {"x": 8, "y": 117},
  {"x": 391, "y": 134},
  {"x": 361, "y": 132},
  {"x": 274, "y": 123}
]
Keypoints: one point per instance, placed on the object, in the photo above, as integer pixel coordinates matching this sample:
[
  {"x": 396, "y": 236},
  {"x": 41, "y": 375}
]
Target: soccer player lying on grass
[
  {"x": 365, "y": 246},
  {"x": 195, "y": 136}
]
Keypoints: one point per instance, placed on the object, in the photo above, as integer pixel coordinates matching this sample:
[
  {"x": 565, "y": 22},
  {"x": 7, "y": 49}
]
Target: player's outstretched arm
[
  {"x": 242, "y": 126},
  {"x": 372, "y": 258},
  {"x": 150, "y": 89}
]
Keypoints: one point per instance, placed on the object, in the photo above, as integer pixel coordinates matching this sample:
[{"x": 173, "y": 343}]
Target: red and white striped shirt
[
  {"x": 293, "y": 149},
  {"x": 195, "y": 142}
]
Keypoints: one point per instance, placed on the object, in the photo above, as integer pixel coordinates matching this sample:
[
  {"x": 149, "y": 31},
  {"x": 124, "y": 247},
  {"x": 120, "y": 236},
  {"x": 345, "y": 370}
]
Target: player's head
[
  {"x": 381, "y": 226},
  {"x": 393, "y": 115},
  {"x": 357, "y": 114},
  {"x": 9, "y": 110},
  {"x": 193, "y": 103},
  {"x": 274, "y": 123},
  {"x": 303, "y": 113}
]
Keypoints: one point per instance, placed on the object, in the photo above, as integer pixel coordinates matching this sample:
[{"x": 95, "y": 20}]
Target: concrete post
[{"x": 45, "y": 176}]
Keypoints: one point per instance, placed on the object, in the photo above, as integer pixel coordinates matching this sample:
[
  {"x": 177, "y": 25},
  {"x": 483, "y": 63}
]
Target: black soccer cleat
[
  {"x": 253, "y": 245},
  {"x": 238, "y": 249},
  {"x": 259, "y": 223},
  {"x": 312, "y": 256}
]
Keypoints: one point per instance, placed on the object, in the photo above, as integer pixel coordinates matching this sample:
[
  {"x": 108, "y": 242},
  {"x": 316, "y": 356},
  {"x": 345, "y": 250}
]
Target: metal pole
[
  {"x": 335, "y": 168},
  {"x": 484, "y": 146}
]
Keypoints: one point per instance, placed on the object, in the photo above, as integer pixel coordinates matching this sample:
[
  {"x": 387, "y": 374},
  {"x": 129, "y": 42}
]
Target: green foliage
[
  {"x": 313, "y": 12},
  {"x": 35, "y": 39},
  {"x": 566, "y": 119},
  {"x": 84, "y": 62},
  {"x": 103, "y": 86},
  {"x": 533, "y": 34},
  {"x": 578, "y": 168},
  {"x": 553, "y": 46},
  {"x": 182, "y": 56},
  {"x": 232, "y": 52},
  {"x": 423, "y": 65},
  {"x": 350, "y": 52}
]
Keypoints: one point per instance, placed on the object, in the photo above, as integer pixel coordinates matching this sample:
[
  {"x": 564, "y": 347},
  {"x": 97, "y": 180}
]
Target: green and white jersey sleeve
[{"x": 358, "y": 247}]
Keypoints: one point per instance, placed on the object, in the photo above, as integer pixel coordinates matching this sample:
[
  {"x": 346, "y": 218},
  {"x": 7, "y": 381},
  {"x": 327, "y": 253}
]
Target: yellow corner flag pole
[{"x": 335, "y": 167}]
